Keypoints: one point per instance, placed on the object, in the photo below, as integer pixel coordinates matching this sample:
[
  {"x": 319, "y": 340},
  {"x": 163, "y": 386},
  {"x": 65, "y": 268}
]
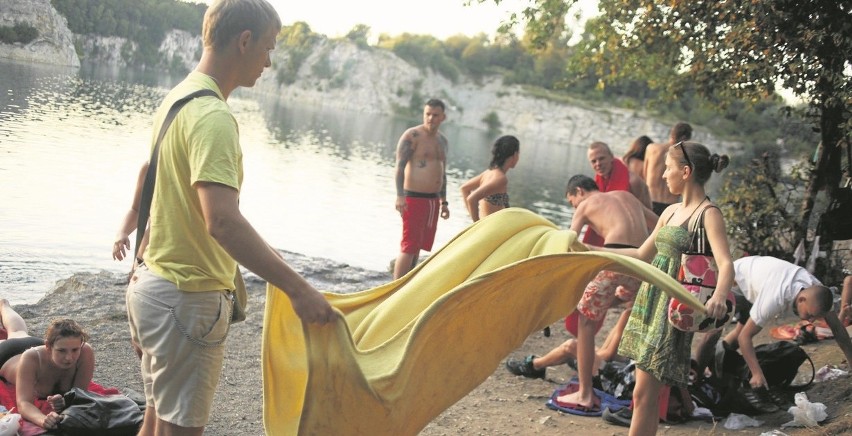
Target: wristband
[{"x": 445, "y": 203}]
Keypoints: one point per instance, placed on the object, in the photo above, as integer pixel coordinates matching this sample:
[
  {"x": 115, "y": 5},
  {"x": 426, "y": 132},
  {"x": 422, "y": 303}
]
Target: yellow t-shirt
[{"x": 201, "y": 145}]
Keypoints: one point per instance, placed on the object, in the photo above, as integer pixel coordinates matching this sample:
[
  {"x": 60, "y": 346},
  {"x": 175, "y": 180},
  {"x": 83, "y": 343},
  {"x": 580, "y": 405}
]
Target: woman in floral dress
[{"x": 662, "y": 352}]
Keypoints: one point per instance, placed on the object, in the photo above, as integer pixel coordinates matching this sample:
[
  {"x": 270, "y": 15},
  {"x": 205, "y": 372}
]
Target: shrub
[{"x": 23, "y": 33}]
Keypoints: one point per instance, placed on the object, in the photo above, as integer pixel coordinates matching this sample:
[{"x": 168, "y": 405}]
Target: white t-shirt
[{"x": 770, "y": 284}]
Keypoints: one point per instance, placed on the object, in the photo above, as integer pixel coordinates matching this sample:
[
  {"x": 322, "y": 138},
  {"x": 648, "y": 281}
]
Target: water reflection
[
  {"x": 537, "y": 183},
  {"x": 318, "y": 182}
]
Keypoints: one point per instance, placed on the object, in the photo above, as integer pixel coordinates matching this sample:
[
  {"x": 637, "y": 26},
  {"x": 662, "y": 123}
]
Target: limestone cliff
[
  {"x": 179, "y": 50},
  {"x": 54, "y": 44},
  {"x": 339, "y": 74}
]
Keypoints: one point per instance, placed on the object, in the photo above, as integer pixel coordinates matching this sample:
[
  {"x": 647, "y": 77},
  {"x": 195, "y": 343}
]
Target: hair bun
[{"x": 719, "y": 163}]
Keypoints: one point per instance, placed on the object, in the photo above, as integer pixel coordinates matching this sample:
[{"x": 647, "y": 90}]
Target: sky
[{"x": 439, "y": 18}]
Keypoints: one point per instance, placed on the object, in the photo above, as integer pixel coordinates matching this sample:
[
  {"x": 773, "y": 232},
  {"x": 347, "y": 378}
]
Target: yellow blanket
[{"x": 405, "y": 351}]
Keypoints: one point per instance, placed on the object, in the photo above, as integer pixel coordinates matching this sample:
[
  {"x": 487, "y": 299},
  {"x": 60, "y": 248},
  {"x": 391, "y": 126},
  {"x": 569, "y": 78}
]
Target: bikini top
[{"x": 501, "y": 199}]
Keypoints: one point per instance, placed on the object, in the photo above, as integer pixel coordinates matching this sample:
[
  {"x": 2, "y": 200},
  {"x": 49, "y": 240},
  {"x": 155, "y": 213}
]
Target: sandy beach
[{"x": 503, "y": 405}]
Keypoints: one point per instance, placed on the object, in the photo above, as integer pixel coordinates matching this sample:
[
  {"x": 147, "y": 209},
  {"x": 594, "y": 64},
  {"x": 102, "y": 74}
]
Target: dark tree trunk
[{"x": 826, "y": 173}]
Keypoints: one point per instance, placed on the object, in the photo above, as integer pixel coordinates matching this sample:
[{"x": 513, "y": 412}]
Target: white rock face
[
  {"x": 340, "y": 75},
  {"x": 182, "y": 45},
  {"x": 54, "y": 44},
  {"x": 118, "y": 52},
  {"x": 105, "y": 50}
]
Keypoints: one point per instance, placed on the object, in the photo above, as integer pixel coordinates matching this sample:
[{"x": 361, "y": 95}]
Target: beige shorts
[{"x": 182, "y": 336}]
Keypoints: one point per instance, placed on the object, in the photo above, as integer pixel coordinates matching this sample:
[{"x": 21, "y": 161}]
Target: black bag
[
  {"x": 780, "y": 362},
  {"x": 91, "y": 414},
  {"x": 722, "y": 393}
]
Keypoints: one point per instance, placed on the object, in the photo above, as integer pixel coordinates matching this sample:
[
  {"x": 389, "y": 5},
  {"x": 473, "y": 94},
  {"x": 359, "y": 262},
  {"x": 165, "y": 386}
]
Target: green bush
[
  {"x": 760, "y": 205},
  {"x": 492, "y": 121},
  {"x": 23, "y": 33}
]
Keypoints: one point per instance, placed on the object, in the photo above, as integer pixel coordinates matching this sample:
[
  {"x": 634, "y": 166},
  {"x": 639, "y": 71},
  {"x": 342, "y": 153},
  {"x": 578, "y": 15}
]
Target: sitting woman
[
  {"x": 488, "y": 192},
  {"x": 44, "y": 369}
]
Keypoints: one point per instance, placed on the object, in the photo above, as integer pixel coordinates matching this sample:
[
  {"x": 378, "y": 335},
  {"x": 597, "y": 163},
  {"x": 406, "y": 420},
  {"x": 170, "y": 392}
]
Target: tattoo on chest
[{"x": 421, "y": 163}]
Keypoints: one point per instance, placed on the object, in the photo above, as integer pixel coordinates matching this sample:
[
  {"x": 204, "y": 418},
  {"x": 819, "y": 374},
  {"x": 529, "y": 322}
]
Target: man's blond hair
[
  {"x": 225, "y": 19},
  {"x": 601, "y": 145}
]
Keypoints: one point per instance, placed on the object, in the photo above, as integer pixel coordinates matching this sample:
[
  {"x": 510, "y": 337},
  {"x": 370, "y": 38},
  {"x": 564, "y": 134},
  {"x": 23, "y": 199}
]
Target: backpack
[{"x": 780, "y": 362}]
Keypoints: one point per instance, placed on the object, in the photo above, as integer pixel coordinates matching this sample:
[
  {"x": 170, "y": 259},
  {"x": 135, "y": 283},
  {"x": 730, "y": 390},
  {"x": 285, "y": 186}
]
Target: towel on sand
[{"x": 405, "y": 351}]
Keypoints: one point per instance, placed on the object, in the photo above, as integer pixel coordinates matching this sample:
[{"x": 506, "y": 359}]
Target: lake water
[{"x": 319, "y": 183}]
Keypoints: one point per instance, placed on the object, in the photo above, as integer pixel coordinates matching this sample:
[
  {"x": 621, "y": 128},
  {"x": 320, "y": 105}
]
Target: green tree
[
  {"x": 359, "y": 34},
  {"x": 425, "y": 51},
  {"x": 727, "y": 49},
  {"x": 297, "y": 41}
]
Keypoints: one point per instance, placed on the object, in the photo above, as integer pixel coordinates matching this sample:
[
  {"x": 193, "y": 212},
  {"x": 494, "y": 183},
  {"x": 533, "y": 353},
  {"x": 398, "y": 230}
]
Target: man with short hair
[
  {"x": 179, "y": 302},
  {"x": 623, "y": 221},
  {"x": 611, "y": 174},
  {"x": 655, "y": 165},
  {"x": 767, "y": 287},
  {"x": 421, "y": 185}
]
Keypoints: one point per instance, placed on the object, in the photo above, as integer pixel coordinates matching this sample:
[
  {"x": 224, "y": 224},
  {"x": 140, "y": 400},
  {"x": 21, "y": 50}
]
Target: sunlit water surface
[{"x": 319, "y": 183}]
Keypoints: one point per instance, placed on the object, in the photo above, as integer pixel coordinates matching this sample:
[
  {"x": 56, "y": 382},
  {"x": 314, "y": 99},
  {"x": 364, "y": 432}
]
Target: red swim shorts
[{"x": 419, "y": 223}]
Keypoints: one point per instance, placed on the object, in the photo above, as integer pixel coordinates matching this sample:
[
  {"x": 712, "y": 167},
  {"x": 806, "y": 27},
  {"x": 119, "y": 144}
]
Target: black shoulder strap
[
  {"x": 150, "y": 176},
  {"x": 698, "y": 237}
]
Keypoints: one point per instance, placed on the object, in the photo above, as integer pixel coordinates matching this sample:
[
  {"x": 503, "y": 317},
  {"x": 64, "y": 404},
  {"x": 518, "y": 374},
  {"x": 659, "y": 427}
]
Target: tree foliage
[
  {"x": 359, "y": 34},
  {"x": 297, "y": 41},
  {"x": 145, "y": 22},
  {"x": 726, "y": 50},
  {"x": 23, "y": 33},
  {"x": 759, "y": 205},
  {"x": 425, "y": 51}
]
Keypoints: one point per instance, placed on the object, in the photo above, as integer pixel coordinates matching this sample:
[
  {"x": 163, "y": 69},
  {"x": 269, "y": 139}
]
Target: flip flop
[{"x": 575, "y": 409}]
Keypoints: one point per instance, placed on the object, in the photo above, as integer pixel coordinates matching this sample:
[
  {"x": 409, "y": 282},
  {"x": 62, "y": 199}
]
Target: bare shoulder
[
  {"x": 412, "y": 132},
  {"x": 655, "y": 150},
  {"x": 713, "y": 212}
]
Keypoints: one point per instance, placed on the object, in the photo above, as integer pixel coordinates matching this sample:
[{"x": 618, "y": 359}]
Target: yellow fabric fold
[{"x": 405, "y": 351}]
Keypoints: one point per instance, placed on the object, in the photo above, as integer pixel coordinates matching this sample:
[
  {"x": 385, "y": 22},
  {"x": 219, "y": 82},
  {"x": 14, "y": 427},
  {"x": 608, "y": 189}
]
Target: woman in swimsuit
[
  {"x": 44, "y": 369},
  {"x": 662, "y": 352},
  {"x": 488, "y": 192},
  {"x": 634, "y": 158}
]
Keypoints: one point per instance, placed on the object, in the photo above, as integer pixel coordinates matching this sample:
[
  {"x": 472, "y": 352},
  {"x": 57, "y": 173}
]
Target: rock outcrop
[
  {"x": 180, "y": 50},
  {"x": 54, "y": 44},
  {"x": 338, "y": 74}
]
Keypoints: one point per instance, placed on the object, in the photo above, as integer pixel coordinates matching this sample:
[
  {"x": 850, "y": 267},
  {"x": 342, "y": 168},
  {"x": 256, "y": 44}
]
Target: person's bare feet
[{"x": 588, "y": 401}]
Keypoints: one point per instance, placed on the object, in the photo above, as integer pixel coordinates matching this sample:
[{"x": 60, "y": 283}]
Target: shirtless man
[
  {"x": 421, "y": 185},
  {"x": 623, "y": 221},
  {"x": 655, "y": 165}
]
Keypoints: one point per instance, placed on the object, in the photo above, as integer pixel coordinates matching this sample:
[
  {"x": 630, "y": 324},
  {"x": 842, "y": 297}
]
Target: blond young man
[{"x": 179, "y": 301}]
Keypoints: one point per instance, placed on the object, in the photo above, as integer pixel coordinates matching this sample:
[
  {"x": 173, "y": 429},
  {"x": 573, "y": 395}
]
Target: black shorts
[{"x": 12, "y": 347}]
